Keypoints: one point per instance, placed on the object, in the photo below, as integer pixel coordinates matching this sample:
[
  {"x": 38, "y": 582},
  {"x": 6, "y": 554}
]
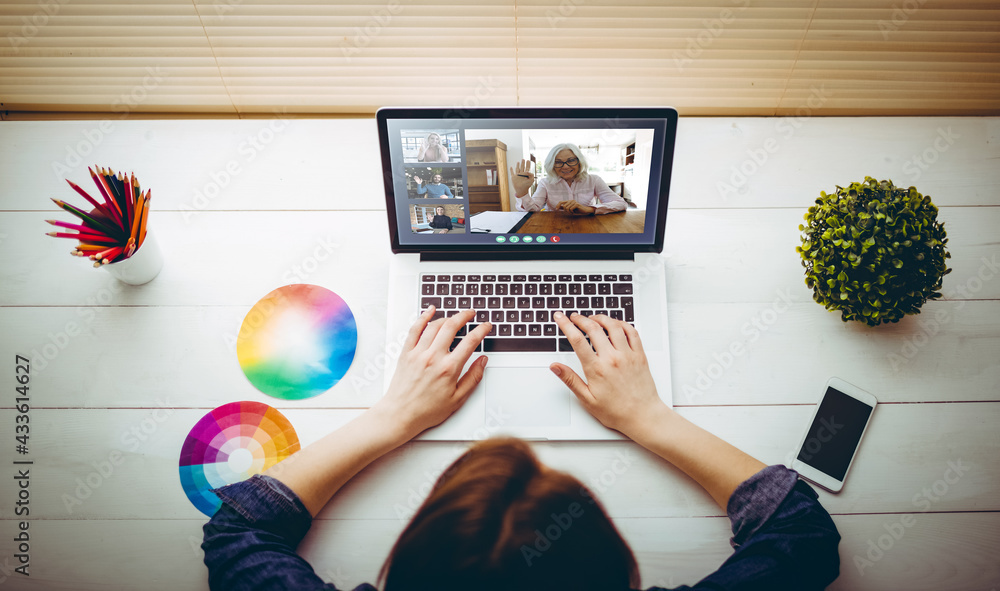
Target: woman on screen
[
  {"x": 498, "y": 518},
  {"x": 568, "y": 187},
  {"x": 432, "y": 149}
]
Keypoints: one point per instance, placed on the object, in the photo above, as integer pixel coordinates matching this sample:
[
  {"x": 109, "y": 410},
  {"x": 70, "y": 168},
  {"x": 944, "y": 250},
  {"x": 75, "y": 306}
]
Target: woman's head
[
  {"x": 433, "y": 138},
  {"x": 566, "y": 161},
  {"x": 499, "y": 519},
  {"x": 440, "y": 210}
]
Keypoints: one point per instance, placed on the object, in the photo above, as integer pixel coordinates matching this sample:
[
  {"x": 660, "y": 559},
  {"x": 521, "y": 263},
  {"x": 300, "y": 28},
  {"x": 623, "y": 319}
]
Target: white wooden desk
[{"x": 243, "y": 207}]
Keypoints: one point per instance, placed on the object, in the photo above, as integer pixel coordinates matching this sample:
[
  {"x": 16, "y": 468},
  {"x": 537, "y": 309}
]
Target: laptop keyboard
[{"x": 520, "y": 307}]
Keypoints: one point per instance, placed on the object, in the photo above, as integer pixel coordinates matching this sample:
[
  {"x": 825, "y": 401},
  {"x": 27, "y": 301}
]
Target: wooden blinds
[{"x": 735, "y": 57}]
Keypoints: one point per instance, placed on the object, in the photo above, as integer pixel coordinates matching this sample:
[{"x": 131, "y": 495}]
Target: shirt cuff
[
  {"x": 269, "y": 505},
  {"x": 756, "y": 499}
]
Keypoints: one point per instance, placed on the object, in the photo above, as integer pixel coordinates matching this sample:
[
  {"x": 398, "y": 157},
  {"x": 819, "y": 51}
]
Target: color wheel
[
  {"x": 231, "y": 444},
  {"x": 297, "y": 342}
]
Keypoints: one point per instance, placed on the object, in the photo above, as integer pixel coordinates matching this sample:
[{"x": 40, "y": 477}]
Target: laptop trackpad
[{"x": 526, "y": 396}]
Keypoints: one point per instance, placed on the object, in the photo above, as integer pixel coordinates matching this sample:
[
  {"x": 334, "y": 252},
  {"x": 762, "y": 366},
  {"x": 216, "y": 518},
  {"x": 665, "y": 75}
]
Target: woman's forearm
[
  {"x": 715, "y": 464},
  {"x": 318, "y": 471}
]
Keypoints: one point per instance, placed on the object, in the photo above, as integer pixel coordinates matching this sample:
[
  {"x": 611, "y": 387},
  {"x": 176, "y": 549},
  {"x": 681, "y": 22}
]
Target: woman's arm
[
  {"x": 250, "y": 542},
  {"x": 537, "y": 199},
  {"x": 620, "y": 392},
  {"x": 609, "y": 201},
  {"x": 715, "y": 464},
  {"x": 784, "y": 539},
  {"x": 425, "y": 390}
]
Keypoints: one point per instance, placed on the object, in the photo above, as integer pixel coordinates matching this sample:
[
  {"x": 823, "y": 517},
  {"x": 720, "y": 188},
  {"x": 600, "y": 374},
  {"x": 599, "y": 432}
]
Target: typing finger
[
  {"x": 418, "y": 329},
  {"x": 598, "y": 339},
  {"x": 615, "y": 331},
  {"x": 576, "y": 339},
  {"x": 450, "y": 329}
]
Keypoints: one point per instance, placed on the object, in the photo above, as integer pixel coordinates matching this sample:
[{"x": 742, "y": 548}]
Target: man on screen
[
  {"x": 568, "y": 187},
  {"x": 435, "y": 188},
  {"x": 441, "y": 223}
]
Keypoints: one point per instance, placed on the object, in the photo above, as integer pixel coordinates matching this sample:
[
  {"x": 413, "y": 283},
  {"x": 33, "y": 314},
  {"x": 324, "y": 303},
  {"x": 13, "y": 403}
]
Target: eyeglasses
[{"x": 570, "y": 162}]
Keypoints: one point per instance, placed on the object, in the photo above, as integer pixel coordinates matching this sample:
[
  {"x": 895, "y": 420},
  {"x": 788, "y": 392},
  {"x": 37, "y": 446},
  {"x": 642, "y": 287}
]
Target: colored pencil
[
  {"x": 145, "y": 216},
  {"x": 136, "y": 220},
  {"x": 112, "y": 186},
  {"x": 69, "y": 226},
  {"x": 99, "y": 206},
  {"x": 87, "y": 247},
  {"x": 135, "y": 194},
  {"x": 116, "y": 228},
  {"x": 123, "y": 190},
  {"x": 83, "y": 237},
  {"x": 88, "y": 218},
  {"x": 102, "y": 186},
  {"x": 116, "y": 188},
  {"x": 125, "y": 185}
]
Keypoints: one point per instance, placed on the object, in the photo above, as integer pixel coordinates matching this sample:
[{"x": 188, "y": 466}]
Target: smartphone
[{"x": 828, "y": 447}]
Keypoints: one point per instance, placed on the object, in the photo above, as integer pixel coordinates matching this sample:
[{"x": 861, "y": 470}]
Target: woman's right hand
[
  {"x": 522, "y": 177},
  {"x": 619, "y": 390},
  {"x": 428, "y": 385}
]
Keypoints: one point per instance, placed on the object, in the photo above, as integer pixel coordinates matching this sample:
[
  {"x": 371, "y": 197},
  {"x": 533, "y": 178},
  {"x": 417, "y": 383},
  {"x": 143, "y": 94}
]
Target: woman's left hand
[
  {"x": 428, "y": 386},
  {"x": 576, "y": 207}
]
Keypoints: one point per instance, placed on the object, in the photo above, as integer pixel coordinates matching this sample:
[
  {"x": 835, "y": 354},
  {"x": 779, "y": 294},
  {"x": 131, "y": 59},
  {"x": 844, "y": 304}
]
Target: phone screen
[{"x": 835, "y": 433}]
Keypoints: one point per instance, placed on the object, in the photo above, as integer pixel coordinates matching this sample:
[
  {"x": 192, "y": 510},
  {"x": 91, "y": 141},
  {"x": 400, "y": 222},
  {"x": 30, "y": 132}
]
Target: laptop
[{"x": 465, "y": 233}]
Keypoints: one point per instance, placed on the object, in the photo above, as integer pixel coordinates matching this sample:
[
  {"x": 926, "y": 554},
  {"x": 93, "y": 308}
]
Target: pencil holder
[{"x": 141, "y": 267}]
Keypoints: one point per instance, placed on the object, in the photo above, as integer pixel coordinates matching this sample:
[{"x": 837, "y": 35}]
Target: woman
[
  {"x": 441, "y": 223},
  {"x": 432, "y": 150},
  {"x": 568, "y": 187},
  {"x": 480, "y": 526}
]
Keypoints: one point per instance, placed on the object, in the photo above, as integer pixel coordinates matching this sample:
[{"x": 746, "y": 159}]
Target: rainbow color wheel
[
  {"x": 297, "y": 342},
  {"x": 231, "y": 444}
]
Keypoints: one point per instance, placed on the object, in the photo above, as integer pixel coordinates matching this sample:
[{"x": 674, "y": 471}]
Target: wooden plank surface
[{"x": 130, "y": 370}]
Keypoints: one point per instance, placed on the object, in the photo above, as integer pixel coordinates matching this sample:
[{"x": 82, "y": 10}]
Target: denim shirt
[{"x": 783, "y": 538}]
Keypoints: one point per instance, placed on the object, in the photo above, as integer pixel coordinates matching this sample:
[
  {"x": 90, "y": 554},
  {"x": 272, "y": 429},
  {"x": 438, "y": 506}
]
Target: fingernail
[
  {"x": 556, "y": 370},
  {"x": 558, "y": 315}
]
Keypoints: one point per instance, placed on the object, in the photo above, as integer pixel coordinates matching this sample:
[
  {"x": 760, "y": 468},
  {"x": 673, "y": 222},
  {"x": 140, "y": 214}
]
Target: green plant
[{"x": 874, "y": 251}]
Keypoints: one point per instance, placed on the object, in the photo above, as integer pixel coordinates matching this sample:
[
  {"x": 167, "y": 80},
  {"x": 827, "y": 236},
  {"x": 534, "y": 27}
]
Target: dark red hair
[{"x": 499, "y": 519}]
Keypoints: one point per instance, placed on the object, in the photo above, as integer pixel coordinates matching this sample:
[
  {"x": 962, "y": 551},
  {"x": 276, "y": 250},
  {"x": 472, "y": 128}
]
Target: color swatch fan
[
  {"x": 297, "y": 342},
  {"x": 231, "y": 444}
]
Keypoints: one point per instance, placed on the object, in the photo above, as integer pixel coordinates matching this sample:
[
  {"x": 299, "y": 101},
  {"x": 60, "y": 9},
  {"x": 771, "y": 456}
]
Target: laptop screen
[{"x": 535, "y": 179}]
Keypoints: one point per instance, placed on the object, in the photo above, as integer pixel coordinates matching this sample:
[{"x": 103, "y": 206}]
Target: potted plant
[{"x": 873, "y": 251}]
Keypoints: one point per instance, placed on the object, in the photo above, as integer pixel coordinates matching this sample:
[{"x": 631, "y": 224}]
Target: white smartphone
[{"x": 829, "y": 445}]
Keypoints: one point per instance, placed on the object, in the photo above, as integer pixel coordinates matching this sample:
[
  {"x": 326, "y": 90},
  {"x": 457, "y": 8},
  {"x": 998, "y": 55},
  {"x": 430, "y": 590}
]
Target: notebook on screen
[{"x": 517, "y": 213}]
